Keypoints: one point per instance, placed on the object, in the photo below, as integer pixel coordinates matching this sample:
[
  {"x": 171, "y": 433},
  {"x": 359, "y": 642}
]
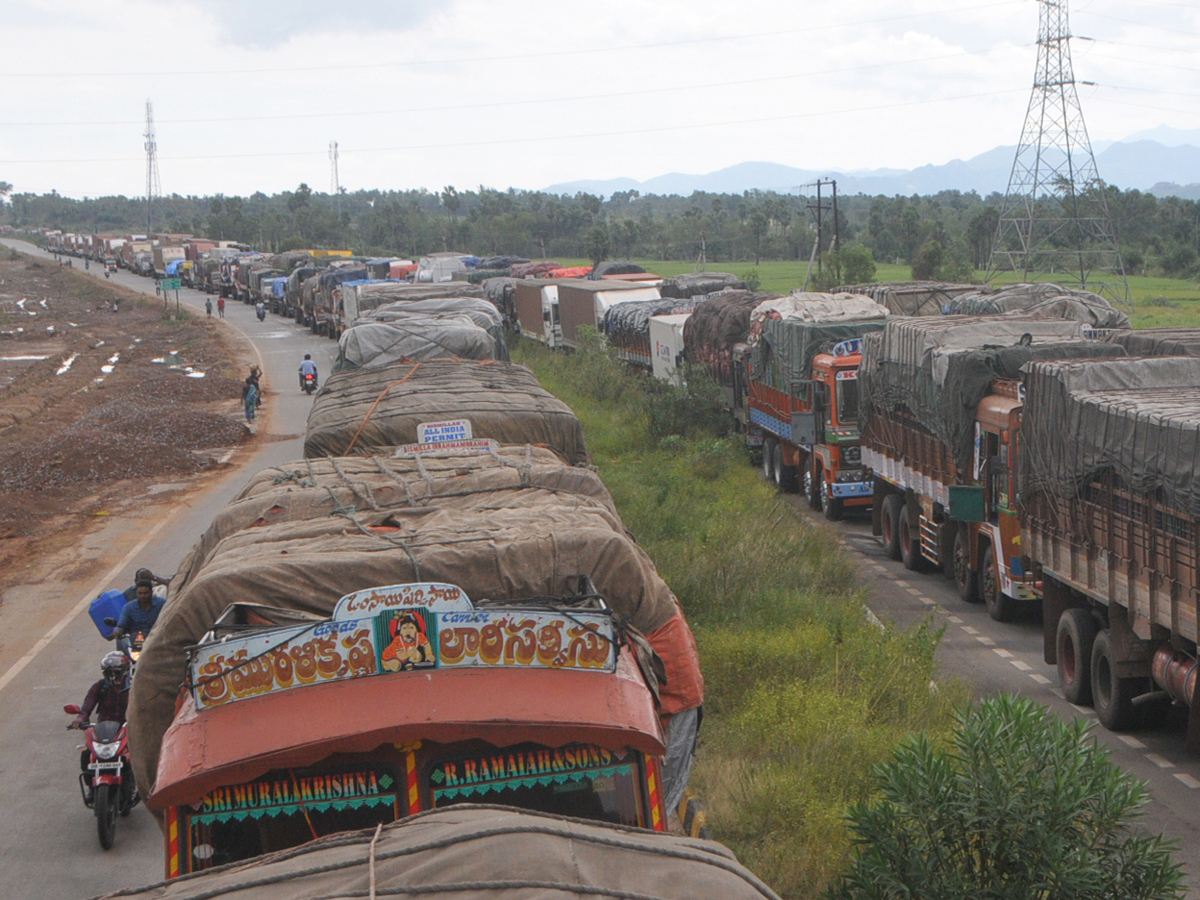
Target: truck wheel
[
  {"x": 784, "y": 475},
  {"x": 1000, "y": 607},
  {"x": 1112, "y": 697},
  {"x": 966, "y": 579},
  {"x": 910, "y": 541},
  {"x": 768, "y": 458},
  {"x": 812, "y": 484},
  {"x": 1074, "y": 641},
  {"x": 312, "y": 324},
  {"x": 889, "y": 522},
  {"x": 831, "y": 506}
]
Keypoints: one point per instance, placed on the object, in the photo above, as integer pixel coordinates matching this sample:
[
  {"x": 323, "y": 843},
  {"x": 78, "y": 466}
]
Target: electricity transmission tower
[
  {"x": 335, "y": 186},
  {"x": 1055, "y": 217},
  {"x": 153, "y": 189}
]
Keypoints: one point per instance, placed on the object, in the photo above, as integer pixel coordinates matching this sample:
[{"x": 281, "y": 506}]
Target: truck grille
[{"x": 852, "y": 456}]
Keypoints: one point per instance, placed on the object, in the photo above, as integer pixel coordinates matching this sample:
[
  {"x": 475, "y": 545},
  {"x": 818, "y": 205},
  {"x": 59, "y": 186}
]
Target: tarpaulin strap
[
  {"x": 371, "y": 861},
  {"x": 371, "y": 411},
  {"x": 387, "y": 472},
  {"x": 358, "y": 488},
  {"x": 349, "y": 514}
]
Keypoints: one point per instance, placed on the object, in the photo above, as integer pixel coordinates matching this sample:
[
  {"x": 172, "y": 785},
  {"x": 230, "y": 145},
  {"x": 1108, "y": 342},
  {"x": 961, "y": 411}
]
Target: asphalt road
[
  {"x": 48, "y": 843},
  {"x": 48, "y": 840}
]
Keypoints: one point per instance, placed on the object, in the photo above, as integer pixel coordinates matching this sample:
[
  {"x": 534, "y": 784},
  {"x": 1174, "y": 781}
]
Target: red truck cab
[{"x": 409, "y": 698}]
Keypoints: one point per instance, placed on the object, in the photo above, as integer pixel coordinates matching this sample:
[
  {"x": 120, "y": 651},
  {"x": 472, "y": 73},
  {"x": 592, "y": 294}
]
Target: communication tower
[
  {"x": 153, "y": 189},
  {"x": 1055, "y": 221}
]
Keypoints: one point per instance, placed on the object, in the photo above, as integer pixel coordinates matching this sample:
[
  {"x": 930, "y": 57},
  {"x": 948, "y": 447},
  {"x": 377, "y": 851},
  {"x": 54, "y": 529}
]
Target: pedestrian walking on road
[
  {"x": 208, "y": 306},
  {"x": 221, "y": 306},
  {"x": 250, "y": 396}
]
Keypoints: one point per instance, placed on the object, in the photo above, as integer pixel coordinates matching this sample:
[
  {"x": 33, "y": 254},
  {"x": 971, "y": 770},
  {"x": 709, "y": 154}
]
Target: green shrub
[{"x": 1020, "y": 804}]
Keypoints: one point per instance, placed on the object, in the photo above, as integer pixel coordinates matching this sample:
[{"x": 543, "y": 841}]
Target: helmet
[{"x": 115, "y": 666}]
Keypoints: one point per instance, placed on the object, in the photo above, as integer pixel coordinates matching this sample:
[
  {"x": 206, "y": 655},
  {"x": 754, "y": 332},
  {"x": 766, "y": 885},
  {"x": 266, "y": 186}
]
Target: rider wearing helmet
[
  {"x": 308, "y": 367},
  {"x": 109, "y": 696}
]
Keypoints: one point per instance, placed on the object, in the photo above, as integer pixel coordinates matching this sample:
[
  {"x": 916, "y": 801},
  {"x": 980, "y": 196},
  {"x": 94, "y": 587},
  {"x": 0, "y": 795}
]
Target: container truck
[
  {"x": 536, "y": 303},
  {"x": 1111, "y": 527},
  {"x": 940, "y": 413},
  {"x": 666, "y": 347},
  {"x": 802, "y": 395},
  {"x": 583, "y": 303}
]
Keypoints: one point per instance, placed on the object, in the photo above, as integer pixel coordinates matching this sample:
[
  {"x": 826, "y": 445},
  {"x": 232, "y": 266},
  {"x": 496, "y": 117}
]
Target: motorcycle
[
  {"x": 261, "y": 312},
  {"x": 107, "y": 781},
  {"x": 130, "y": 646},
  {"x": 309, "y": 383}
]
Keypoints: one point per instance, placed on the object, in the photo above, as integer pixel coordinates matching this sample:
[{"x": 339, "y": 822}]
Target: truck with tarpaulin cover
[
  {"x": 802, "y": 394},
  {"x": 940, "y": 416},
  {"x": 412, "y": 698},
  {"x": 1111, "y": 526}
]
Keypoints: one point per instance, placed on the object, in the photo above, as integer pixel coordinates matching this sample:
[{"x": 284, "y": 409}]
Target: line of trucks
[
  {"x": 428, "y": 654},
  {"x": 439, "y": 605}
]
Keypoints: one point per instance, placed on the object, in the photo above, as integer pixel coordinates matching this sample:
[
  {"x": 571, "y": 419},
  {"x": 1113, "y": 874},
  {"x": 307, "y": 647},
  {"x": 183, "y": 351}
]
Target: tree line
[{"x": 945, "y": 235}]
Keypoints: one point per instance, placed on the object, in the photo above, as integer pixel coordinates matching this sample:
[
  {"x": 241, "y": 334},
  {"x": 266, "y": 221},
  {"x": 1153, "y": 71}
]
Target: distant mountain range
[{"x": 1163, "y": 161}]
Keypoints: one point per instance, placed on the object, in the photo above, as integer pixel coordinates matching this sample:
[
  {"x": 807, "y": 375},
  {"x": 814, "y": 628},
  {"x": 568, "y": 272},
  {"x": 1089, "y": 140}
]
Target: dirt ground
[{"x": 98, "y": 406}]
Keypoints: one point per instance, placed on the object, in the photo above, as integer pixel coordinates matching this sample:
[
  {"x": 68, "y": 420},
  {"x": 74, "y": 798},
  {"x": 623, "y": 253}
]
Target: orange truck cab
[
  {"x": 407, "y": 698},
  {"x": 810, "y": 434}
]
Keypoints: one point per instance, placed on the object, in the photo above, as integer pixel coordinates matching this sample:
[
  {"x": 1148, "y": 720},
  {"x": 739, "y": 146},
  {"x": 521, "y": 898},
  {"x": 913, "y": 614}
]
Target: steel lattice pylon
[
  {"x": 153, "y": 189},
  {"x": 1055, "y": 220}
]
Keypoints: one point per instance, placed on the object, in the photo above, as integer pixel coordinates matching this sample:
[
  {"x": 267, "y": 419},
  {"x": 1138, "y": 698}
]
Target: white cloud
[{"x": 526, "y": 93}]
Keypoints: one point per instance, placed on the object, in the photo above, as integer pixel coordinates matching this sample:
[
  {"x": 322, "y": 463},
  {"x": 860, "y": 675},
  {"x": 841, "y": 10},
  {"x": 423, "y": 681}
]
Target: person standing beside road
[
  {"x": 221, "y": 306},
  {"x": 208, "y": 306},
  {"x": 251, "y": 394}
]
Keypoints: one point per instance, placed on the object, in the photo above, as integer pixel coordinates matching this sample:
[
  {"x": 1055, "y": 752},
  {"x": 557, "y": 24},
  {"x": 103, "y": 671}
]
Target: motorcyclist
[
  {"x": 109, "y": 696},
  {"x": 308, "y": 367},
  {"x": 260, "y": 310},
  {"x": 141, "y": 575},
  {"x": 139, "y": 616}
]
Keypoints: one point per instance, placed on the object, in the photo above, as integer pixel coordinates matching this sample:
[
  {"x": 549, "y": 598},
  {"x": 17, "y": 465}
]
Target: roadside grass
[{"x": 804, "y": 694}]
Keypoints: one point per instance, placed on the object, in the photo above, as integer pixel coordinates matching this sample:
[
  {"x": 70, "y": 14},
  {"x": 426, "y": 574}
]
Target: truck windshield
[
  {"x": 847, "y": 401},
  {"x": 580, "y": 780}
]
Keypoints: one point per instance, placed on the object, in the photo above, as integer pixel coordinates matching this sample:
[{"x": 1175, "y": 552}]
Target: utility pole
[
  {"x": 818, "y": 210},
  {"x": 153, "y": 189},
  {"x": 335, "y": 185},
  {"x": 1055, "y": 217}
]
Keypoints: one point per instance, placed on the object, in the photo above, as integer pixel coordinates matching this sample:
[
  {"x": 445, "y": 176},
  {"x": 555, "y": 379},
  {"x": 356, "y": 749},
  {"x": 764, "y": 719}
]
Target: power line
[
  {"x": 518, "y": 56},
  {"x": 542, "y": 138},
  {"x": 569, "y": 99}
]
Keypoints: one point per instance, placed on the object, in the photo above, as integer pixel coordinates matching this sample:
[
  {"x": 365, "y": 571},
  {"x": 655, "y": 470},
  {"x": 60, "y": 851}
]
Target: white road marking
[
  {"x": 1023, "y": 666},
  {"x": 925, "y": 600},
  {"x": 1083, "y": 710},
  {"x": 912, "y": 590},
  {"x": 1039, "y": 678},
  {"x": 1057, "y": 692},
  {"x": 1187, "y": 779},
  {"x": 1131, "y": 741},
  {"x": 969, "y": 630},
  {"x": 986, "y": 641},
  {"x": 16, "y": 668},
  {"x": 1001, "y": 652},
  {"x": 1159, "y": 761},
  {"x": 955, "y": 619}
]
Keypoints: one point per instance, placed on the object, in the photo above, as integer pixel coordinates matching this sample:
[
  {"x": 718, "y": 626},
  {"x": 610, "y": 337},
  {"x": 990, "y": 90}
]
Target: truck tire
[
  {"x": 768, "y": 457},
  {"x": 813, "y": 474},
  {"x": 910, "y": 541},
  {"x": 1073, "y": 641},
  {"x": 889, "y": 524},
  {"x": 1112, "y": 697},
  {"x": 966, "y": 579},
  {"x": 785, "y": 476},
  {"x": 1000, "y": 606},
  {"x": 831, "y": 506}
]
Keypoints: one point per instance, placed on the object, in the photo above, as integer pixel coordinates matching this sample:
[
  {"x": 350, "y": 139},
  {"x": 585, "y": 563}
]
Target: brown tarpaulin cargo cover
[
  {"x": 310, "y": 488},
  {"x": 372, "y": 410},
  {"x": 473, "y": 852},
  {"x": 533, "y": 546}
]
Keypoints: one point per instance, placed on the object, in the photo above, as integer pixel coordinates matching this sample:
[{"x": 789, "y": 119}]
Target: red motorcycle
[{"x": 107, "y": 781}]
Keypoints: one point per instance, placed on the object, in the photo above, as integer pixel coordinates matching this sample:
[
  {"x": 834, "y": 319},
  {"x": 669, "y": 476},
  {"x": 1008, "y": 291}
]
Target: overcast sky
[{"x": 248, "y": 94}]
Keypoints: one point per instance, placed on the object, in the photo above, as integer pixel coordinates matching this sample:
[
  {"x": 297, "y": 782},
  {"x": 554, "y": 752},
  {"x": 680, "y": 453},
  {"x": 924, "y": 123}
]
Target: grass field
[
  {"x": 803, "y": 694},
  {"x": 1157, "y": 302}
]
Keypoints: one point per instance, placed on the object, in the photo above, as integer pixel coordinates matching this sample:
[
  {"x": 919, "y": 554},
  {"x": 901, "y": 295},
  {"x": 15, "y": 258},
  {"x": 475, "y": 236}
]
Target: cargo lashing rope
[{"x": 374, "y": 406}]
